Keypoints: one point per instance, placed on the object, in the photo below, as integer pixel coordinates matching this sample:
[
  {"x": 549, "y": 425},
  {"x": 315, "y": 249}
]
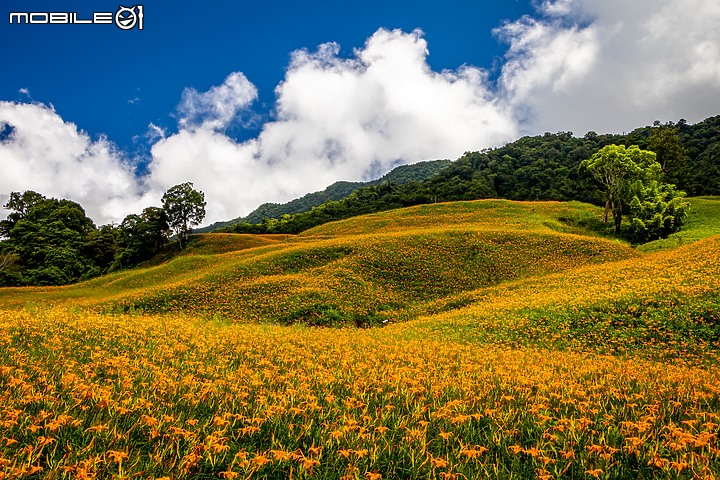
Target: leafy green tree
[
  {"x": 19, "y": 204},
  {"x": 185, "y": 208},
  {"x": 617, "y": 168},
  {"x": 633, "y": 182},
  {"x": 101, "y": 247},
  {"x": 5, "y": 259},
  {"x": 157, "y": 229},
  {"x": 9, "y": 269},
  {"x": 49, "y": 238},
  {"x": 671, "y": 155},
  {"x": 656, "y": 210},
  {"x": 141, "y": 237},
  {"x": 705, "y": 176}
]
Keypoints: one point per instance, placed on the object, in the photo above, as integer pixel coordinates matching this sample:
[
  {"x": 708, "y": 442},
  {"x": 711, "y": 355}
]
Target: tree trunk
[
  {"x": 617, "y": 213},
  {"x": 617, "y": 217},
  {"x": 5, "y": 260},
  {"x": 607, "y": 209}
]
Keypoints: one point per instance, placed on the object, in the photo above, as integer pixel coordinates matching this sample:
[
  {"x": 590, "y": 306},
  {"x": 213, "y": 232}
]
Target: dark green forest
[
  {"x": 52, "y": 242},
  {"x": 49, "y": 241}
]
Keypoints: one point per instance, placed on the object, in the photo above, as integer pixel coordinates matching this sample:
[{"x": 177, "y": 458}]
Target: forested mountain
[
  {"x": 542, "y": 167},
  {"x": 337, "y": 191}
]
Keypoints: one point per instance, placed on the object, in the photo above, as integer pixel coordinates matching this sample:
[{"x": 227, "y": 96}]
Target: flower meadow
[
  {"x": 116, "y": 397},
  {"x": 499, "y": 351}
]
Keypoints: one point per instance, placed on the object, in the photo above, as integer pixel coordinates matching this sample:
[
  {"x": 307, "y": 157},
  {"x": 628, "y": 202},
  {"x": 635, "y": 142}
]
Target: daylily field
[{"x": 488, "y": 339}]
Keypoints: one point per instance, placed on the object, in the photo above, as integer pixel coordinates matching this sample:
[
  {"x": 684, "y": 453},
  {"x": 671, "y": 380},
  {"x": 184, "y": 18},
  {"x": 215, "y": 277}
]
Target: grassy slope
[
  {"x": 364, "y": 270},
  {"x": 455, "y": 264},
  {"x": 703, "y": 221},
  {"x": 483, "y": 214},
  {"x": 182, "y": 396},
  {"x": 662, "y": 305}
]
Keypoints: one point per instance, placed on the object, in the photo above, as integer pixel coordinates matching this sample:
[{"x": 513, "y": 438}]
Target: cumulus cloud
[
  {"x": 382, "y": 106},
  {"x": 46, "y": 154},
  {"x": 219, "y": 106},
  {"x": 336, "y": 119},
  {"x": 225, "y": 170},
  {"x": 612, "y": 65}
]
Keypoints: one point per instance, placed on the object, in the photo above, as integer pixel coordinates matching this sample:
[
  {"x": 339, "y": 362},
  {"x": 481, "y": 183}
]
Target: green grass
[
  {"x": 361, "y": 271},
  {"x": 517, "y": 343},
  {"x": 703, "y": 221}
]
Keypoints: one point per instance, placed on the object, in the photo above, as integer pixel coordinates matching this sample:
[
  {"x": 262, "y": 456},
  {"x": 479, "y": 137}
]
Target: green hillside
[
  {"x": 363, "y": 270},
  {"x": 541, "y": 167},
  {"x": 512, "y": 341},
  {"x": 52, "y": 242}
]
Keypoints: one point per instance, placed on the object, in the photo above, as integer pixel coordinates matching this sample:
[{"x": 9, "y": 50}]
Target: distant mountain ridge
[
  {"x": 337, "y": 191},
  {"x": 540, "y": 167}
]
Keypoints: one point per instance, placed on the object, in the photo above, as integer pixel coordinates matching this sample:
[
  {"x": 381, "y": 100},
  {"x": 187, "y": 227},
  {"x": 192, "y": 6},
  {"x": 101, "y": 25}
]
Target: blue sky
[
  {"x": 266, "y": 101},
  {"x": 114, "y": 82}
]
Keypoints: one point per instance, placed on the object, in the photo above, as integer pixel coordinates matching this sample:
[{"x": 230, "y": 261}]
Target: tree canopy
[
  {"x": 664, "y": 140},
  {"x": 141, "y": 236},
  {"x": 656, "y": 210},
  {"x": 617, "y": 168},
  {"x": 48, "y": 237},
  {"x": 632, "y": 180},
  {"x": 184, "y": 207},
  {"x": 52, "y": 242}
]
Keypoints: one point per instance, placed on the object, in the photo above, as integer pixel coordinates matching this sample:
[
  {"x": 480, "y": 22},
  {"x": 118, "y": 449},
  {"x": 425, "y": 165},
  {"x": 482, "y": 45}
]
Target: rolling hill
[
  {"x": 541, "y": 167},
  {"x": 511, "y": 342},
  {"x": 363, "y": 270}
]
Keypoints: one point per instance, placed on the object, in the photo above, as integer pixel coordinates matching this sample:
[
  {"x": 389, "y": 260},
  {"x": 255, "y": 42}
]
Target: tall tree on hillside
[
  {"x": 184, "y": 207},
  {"x": 670, "y": 154},
  {"x": 616, "y": 167},
  {"x": 633, "y": 185}
]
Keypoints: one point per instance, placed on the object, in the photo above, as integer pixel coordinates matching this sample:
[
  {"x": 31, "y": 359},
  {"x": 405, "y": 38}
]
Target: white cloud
[
  {"x": 613, "y": 65},
  {"x": 155, "y": 133},
  {"x": 337, "y": 119},
  {"x": 557, "y": 7},
  {"x": 384, "y": 105},
  {"x": 545, "y": 58},
  {"x": 219, "y": 106},
  {"x": 51, "y": 156},
  {"x": 226, "y": 171}
]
